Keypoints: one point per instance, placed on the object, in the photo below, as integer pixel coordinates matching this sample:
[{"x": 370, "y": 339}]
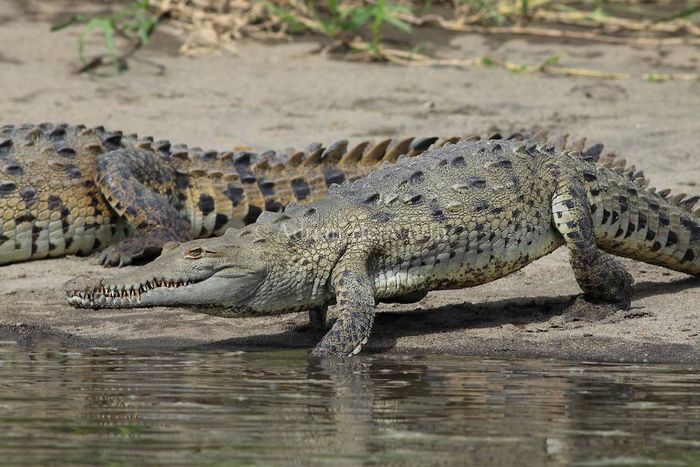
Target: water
[{"x": 106, "y": 406}]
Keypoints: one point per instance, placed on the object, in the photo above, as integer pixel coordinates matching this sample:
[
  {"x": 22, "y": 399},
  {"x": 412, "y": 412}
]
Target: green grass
[
  {"x": 336, "y": 19},
  {"x": 134, "y": 22}
]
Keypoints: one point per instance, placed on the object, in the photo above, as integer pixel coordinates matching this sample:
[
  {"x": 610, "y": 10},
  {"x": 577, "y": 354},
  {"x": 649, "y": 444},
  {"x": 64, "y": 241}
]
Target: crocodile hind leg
[
  {"x": 355, "y": 298},
  {"x": 604, "y": 280},
  {"x": 126, "y": 178}
]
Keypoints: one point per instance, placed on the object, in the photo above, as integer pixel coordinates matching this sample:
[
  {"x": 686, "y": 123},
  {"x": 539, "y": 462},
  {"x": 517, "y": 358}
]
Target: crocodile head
[{"x": 224, "y": 272}]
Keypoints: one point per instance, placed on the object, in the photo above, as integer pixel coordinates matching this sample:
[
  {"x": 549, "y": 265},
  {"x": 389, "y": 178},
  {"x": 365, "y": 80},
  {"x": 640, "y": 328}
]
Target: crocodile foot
[{"x": 137, "y": 247}]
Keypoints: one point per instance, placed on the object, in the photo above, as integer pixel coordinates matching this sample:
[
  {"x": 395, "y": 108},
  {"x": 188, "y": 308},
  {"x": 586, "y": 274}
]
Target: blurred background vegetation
[{"x": 383, "y": 30}]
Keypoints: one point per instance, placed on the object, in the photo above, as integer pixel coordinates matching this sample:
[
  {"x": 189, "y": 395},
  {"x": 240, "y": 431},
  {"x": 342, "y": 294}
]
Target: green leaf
[{"x": 358, "y": 17}]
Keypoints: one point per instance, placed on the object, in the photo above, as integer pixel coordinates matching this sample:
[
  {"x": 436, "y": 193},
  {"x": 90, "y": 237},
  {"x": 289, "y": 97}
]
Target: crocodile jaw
[{"x": 217, "y": 290}]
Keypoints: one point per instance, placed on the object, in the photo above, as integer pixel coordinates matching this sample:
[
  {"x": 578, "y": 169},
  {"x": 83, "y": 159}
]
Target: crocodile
[
  {"x": 460, "y": 215},
  {"x": 68, "y": 189}
]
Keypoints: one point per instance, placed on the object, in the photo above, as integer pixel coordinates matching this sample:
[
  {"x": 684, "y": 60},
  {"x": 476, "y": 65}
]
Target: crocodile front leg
[
  {"x": 125, "y": 178},
  {"x": 355, "y": 298},
  {"x": 602, "y": 277}
]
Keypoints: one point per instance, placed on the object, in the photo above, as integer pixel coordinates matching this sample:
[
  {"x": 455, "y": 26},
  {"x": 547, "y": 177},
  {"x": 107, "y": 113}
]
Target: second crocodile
[{"x": 74, "y": 190}]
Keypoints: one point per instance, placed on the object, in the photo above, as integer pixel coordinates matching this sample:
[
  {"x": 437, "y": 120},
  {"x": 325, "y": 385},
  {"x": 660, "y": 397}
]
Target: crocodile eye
[{"x": 194, "y": 253}]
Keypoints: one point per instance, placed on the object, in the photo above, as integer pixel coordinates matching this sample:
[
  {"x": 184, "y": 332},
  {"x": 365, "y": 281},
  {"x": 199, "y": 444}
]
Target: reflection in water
[{"x": 198, "y": 407}]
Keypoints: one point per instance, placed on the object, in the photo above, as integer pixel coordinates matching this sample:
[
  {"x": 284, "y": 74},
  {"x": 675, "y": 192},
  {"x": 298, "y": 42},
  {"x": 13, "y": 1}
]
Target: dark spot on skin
[
  {"x": 267, "y": 187},
  {"x": 27, "y": 193},
  {"x": 182, "y": 181},
  {"x": 331, "y": 235},
  {"x": 595, "y": 191},
  {"x": 273, "y": 205},
  {"x": 477, "y": 182},
  {"x": 415, "y": 199},
  {"x": 687, "y": 222},
  {"x": 301, "y": 189},
  {"x": 594, "y": 208},
  {"x": 572, "y": 224},
  {"x": 132, "y": 210},
  {"x": 672, "y": 238},
  {"x": 663, "y": 219},
  {"x": 65, "y": 226},
  {"x": 504, "y": 163},
  {"x": 615, "y": 217},
  {"x": 96, "y": 244},
  {"x": 459, "y": 229},
  {"x": 479, "y": 227},
  {"x": 65, "y": 151},
  {"x": 642, "y": 221},
  {"x": 619, "y": 232},
  {"x": 421, "y": 144},
  {"x": 653, "y": 205},
  {"x": 606, "y": 215},
  {"x": 458, "y": 161},
  {"x": 695, "y": 233},
  {"x": 624, "y": 205},
  {"x": 416, "y": 177},
  {"x": 630, "y": 230},
  {"x": 246, "y": 175},
  {"x": 591, "y": 154},
  {"x": 57, "y": 133},
  {"x": 402, "y": 234},
  {"x": 651, "y": 235},
  {"x": 7, "y": 188},
  {"x": 13, "y": 168},
  {"x": 333, "y": 175},
  {"x": 371, "y": 200},
  {"x": 656, "y": 246},
  {"x": 253, "y": 213},
  {"x": 111, "y": 140},
  {"x": 221, "y": 220},
  {"x": 73, "y": 171},
  {"x": 688, "y": 256},
  {"x": 162, "y": 146},
  {"x": 234, "y": 193},
  {"x": 480, "y": 205},
  {"x": 206, "y": 204},
  {"x": 590, "y": 175},
  {"x": 569, "y": 204},
  {"x": 436, "y": 212},
  {"x": 382, "y": 216},
  {"x": 69, "y": 242},
  {"x": 25, "y": 218}
]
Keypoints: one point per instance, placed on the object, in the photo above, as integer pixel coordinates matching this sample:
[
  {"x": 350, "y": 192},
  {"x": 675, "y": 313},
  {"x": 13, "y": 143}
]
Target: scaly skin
[
  {"x": 458, "y": 216},
  {"x": 74, "y": 190}
]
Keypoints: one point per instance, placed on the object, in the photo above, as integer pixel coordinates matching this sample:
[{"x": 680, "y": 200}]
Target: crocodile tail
[{"x": 635, "y": 221}]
